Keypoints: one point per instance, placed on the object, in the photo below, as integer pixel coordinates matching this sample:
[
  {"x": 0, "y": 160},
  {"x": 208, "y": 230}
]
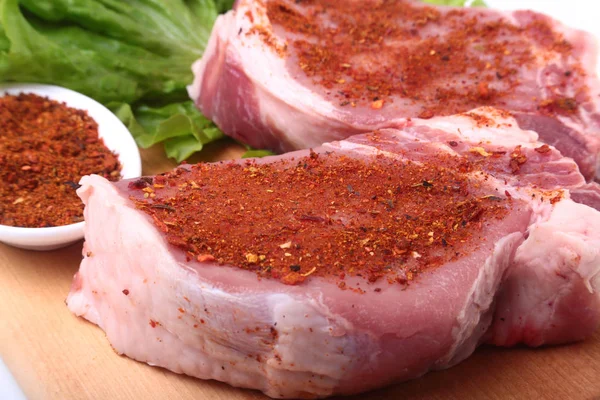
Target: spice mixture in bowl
[{"x": 49, "y": 138}]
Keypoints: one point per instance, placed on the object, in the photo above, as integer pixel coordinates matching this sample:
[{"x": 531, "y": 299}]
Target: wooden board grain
[{"x": 54, "y": 355}]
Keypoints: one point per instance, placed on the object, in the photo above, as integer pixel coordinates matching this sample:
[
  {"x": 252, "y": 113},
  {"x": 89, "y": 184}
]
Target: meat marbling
[
  {"x": 528, "y": 274},
  {"x": 287, "y": 75}
]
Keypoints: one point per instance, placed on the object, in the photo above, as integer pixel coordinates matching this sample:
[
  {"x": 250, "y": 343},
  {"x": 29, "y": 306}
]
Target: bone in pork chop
[
  {"x": 286, "y": 75},
  {"x": 348, "y": 267}
]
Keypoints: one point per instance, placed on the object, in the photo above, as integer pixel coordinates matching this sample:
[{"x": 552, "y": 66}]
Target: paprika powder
[
  {"x": 323, "y": 215},
  {"x": 45, "y": 148}
]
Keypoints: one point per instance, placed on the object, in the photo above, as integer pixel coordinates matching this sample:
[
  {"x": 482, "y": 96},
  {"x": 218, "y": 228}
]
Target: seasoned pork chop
[
  {"x": 286, "y": 75},
  {"x": 347, "y": 267}
]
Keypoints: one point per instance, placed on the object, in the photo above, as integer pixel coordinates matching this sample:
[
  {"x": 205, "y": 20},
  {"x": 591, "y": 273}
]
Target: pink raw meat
[
  {"x": 336, "y": 75},
  {"x": 530, "y": 276}
]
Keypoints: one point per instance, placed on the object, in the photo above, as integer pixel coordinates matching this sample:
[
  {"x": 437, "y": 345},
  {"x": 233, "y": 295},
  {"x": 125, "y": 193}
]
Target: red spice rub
[
  {"x": 517, "y": 158},
  {"x": 322, "y": 215},
  {"x": 371, "y": 52},
  {"x": 45, "y": 148}
]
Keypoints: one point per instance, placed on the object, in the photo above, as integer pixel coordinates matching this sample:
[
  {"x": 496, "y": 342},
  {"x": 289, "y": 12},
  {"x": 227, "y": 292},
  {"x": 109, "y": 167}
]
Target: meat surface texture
[
  {"x": 287, "y": 75},
  {"x": 530, "y": 274}
]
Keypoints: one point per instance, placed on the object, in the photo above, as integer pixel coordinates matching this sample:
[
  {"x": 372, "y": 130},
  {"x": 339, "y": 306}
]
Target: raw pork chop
[
  {"x": 288, "y": 74},
  {"x": 341, "y": 269}
]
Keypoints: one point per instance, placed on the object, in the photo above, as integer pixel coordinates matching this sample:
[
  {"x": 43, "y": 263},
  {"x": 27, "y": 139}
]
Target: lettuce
[
  {"x": 224, "y": 5},
  {"x": 133, "y": 56},
  {"x": 252, "y": 153},
  {"x": 180, "y": 126}
]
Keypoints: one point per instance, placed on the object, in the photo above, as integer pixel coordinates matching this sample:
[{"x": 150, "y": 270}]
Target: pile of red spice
[
  {"x": 45, "y": 149},
  {"x": 324, "y": 215}
]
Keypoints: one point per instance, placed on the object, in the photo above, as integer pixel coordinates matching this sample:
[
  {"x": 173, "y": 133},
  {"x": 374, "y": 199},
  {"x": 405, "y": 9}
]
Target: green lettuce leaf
[
  {"x": 166, "y": 27},
  {"x": 133, "y": 56},
  {"x": 4, "y": 42},
  {"x": 224, "y": 5},
  {"x": 257, "y": 153},
  {"x": 182, "y": 147},
  {"x": 128, "y": 51},
  {"x": 179, "y": 125}
]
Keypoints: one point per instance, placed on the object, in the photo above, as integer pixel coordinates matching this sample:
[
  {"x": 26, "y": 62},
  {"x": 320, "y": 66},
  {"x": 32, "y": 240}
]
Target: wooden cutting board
[{"x": 55, "y": 355}]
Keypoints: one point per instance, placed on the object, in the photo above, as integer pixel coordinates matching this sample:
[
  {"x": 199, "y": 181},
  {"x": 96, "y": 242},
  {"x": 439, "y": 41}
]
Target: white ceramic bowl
[{"x": 116, "y": 137}]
